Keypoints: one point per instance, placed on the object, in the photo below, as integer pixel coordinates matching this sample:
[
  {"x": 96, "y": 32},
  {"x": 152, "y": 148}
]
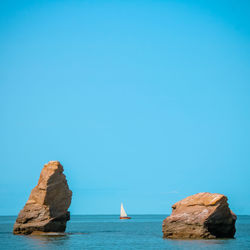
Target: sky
[{"x": 142, "y": 102}]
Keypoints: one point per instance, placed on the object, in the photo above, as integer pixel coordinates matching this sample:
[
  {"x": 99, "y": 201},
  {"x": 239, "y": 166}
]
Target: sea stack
[
  {"x": 200, "y": 216},
  {"x": 47, "y": 207}
]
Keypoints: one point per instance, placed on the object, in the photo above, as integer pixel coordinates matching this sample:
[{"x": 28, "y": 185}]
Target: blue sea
[{"x": 109, "y": 232}]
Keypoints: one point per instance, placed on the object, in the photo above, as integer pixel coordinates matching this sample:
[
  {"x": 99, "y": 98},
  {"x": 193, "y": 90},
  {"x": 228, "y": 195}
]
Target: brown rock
[
  {"x": 203, "y": 215},
  {"x": 46, "y": 208}
]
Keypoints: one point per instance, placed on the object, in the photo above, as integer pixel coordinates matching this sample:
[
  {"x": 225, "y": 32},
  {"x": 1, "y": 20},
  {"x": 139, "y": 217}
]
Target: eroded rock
[
  {"x": 47, "y": 207},
  {"x": 203, "y": 215}
]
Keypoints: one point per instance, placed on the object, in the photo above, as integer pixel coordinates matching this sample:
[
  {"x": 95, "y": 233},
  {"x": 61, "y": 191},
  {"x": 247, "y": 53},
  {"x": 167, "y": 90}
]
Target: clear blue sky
[{"x": 144, "y": 102}]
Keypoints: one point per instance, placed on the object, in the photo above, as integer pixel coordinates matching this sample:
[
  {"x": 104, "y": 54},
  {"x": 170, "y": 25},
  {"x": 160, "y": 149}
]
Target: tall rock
[
  {"x": 47, "y": 207},
  {"x": 203, "y": 215}
]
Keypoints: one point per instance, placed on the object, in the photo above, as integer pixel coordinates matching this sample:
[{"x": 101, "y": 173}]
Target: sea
[{"x": 109, "y": 232}]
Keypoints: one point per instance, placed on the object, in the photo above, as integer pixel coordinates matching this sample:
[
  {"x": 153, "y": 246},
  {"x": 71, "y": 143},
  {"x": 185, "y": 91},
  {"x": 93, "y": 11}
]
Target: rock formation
[
  {"x": 46, "y": 208},
  {"x": 203, "y": 215}
]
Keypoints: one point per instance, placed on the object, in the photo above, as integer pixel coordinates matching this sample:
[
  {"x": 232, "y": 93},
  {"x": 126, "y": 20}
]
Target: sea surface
[{"x": 109, "y": 232}]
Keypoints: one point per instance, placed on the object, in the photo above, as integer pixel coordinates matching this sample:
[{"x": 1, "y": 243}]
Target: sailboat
[{"x": 123, "y": 214}]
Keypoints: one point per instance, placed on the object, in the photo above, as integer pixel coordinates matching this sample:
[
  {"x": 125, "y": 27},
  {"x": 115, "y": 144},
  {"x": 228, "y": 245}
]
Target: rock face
[
  {"x": 46, "y": 208},
  {"x": 203, "y": 215}
]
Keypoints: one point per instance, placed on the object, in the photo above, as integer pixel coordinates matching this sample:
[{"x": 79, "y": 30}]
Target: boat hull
[{"x": 125, "y": 218}]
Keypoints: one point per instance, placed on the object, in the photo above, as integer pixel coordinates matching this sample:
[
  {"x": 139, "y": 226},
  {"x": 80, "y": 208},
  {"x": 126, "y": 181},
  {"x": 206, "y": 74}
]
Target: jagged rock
[
  {"x": 46, "y": 208},
  {"x": 203, "y": 215}
]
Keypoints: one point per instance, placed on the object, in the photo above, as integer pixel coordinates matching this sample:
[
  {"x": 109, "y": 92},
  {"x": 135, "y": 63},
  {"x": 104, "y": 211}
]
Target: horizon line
[{"x": 119, "y": 214}]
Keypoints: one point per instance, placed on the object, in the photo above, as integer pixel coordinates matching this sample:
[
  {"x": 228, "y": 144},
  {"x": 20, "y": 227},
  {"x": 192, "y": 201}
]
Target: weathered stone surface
[
  {"x": 47, "y": 207},
  {"x": 203, "y": 215}
]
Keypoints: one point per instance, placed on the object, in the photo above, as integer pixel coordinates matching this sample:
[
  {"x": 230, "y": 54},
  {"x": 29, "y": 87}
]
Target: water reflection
[
  {"x": 199, "y": 243},
  {"x": 34, "y": 241}
]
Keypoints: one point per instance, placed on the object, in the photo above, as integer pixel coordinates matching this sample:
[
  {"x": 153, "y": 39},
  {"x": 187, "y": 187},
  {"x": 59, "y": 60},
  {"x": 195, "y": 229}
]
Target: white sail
[{"x": 123, "y": 213}]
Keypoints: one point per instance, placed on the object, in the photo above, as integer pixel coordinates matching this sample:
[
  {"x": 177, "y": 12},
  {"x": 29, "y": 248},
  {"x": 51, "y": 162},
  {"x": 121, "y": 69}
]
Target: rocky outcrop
[
  {"x": 203, "y": 215},
  {"x": 47, "y": 207}
]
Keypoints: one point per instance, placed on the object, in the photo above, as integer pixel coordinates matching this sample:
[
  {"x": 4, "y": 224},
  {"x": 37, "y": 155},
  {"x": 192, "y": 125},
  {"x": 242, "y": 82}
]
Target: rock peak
[
  {"x": 201, "y": 199},
  {"x": 54, "y": 165}
]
